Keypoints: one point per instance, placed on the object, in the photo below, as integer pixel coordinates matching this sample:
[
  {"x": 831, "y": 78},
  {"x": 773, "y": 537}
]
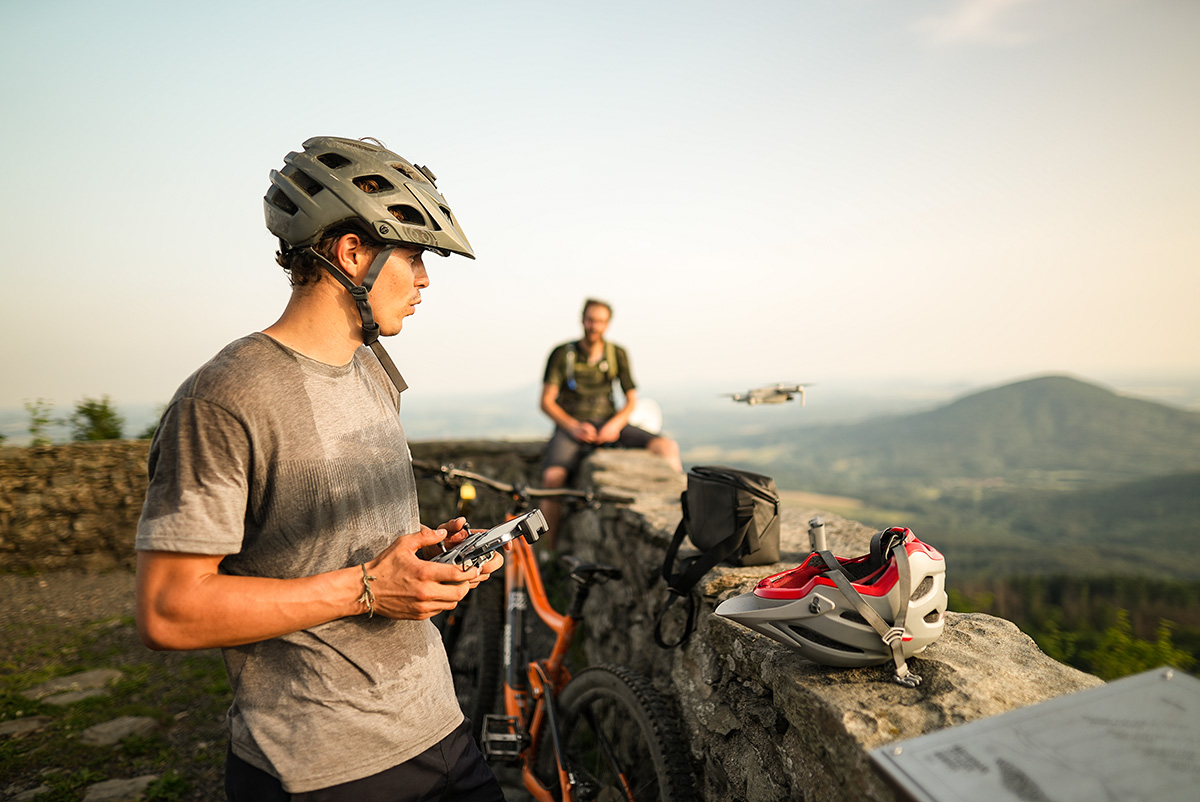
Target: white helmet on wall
[
  {"x": 860, "y": 611},
  {"x": 647, "y": 415}
]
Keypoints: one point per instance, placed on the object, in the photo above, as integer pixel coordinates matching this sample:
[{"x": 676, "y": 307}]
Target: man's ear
[{"x": 349, "y": 255}]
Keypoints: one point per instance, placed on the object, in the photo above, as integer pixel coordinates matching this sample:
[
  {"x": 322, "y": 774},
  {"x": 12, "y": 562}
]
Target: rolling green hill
[
  {"x": 1050, "y": 432},
  {"x": 1148, "y": 528},
  {"x": 1049, "y": 475}
]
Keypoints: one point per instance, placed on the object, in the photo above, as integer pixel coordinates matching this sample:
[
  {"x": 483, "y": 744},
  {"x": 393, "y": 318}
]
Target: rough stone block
[{"x": 112, "y": 732}]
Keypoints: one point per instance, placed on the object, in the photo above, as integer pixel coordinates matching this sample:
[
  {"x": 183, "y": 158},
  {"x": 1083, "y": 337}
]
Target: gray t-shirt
[{"x": 292, "y": 467}]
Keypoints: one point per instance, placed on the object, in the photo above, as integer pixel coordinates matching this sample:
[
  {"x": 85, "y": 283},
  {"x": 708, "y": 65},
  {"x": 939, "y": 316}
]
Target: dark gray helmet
[{"x": 334, "y": 180}]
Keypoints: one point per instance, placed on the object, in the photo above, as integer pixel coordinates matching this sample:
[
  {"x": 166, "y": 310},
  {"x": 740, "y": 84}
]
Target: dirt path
[
  {"x": 54, "y": 604},
  {"x": 66, "y": 597}
]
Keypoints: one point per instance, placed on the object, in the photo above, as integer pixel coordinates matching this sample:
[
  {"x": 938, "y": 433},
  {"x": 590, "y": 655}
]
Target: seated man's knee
[
  {"x": 554, "y": 476},
  {"x": 663, "y": 447}
]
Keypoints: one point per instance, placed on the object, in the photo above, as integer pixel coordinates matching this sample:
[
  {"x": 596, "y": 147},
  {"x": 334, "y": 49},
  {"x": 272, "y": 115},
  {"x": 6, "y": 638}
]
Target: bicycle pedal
[{"x": 502, "y": 737}]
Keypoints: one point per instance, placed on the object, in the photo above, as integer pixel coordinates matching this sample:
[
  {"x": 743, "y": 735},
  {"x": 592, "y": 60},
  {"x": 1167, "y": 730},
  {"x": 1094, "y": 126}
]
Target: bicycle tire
[
  {"x": 473, "y": 635},
  {"x": 638, "y": 723}
]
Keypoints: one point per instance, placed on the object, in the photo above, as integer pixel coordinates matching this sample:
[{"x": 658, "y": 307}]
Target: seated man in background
[{"x": 577, "y": 394}]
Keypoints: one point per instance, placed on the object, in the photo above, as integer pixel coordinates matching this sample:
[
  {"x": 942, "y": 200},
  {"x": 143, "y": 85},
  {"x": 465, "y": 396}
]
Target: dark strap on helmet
[{"x": 360, "y": 294}]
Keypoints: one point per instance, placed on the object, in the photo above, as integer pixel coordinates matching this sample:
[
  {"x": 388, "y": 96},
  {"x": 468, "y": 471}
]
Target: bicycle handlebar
[{"x": 450, "y": 474}]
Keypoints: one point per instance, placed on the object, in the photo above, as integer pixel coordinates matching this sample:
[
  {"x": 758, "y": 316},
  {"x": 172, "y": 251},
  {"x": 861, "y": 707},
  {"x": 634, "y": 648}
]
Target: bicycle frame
[
  {"x": 531, "y": 686},
  {"x": 530, "y": 698}
]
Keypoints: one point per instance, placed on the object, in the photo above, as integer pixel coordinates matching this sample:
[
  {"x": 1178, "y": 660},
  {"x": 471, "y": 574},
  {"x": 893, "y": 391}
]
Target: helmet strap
[
  {"x": 892, "y": 635},
  {"x": 360, "y": 294}
]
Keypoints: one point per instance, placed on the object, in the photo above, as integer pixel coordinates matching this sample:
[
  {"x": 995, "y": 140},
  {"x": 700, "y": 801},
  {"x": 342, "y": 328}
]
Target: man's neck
[
  {"x": 593, "y": 350},
  {"x": 319, "y": 323}
]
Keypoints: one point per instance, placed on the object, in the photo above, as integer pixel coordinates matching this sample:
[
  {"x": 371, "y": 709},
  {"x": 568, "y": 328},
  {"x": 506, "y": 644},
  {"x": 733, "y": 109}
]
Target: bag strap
[
  {"x": 681, "y": 582},
  {"x": 737, "y": 478},
  {"x": 674, "y": 593}
]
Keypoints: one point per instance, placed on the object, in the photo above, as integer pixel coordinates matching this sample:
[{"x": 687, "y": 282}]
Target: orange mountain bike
[{"x": 603, "y": 734}]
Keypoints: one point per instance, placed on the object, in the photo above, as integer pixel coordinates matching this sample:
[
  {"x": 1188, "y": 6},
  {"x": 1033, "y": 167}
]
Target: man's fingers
[{"x": 426, "y": 537}]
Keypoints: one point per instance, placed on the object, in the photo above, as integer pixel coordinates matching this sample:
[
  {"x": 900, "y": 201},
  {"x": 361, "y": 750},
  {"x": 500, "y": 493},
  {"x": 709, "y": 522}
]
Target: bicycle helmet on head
[
  {"x": 333, "y": 180},
  {"x": 338, "y": 180},
  {"x": 854, "y": 611}
]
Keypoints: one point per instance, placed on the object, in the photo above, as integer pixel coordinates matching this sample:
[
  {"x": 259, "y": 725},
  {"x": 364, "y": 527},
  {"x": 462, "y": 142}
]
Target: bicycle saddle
[{"x": 588, "y": 573}]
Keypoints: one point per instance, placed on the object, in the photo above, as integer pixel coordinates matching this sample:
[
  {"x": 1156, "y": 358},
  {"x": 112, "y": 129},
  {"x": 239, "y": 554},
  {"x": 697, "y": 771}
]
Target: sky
[{"x": 824, "y": 191}]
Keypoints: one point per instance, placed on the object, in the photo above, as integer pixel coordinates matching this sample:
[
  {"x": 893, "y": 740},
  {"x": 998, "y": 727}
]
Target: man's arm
[
  {"x": 183, "y": 602},
  {"x": 581, "y": 431},
  {"x": 611, "y": 430}
]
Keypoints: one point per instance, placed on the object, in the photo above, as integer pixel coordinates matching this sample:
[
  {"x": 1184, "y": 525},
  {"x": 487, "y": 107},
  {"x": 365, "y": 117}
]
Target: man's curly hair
[{"x": 304, "y": 268}]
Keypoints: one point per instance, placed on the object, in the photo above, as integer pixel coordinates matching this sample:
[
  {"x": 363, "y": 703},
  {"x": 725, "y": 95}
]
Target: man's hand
[
  {"x": 610, "y": 432},
  {"x": 457, "y": 527},
  {"x": 408, "y": 587},
  {"x": 457, "y": 532},
  {"x": 494, "y": 563},
  {"x": 584, "y": 432}
]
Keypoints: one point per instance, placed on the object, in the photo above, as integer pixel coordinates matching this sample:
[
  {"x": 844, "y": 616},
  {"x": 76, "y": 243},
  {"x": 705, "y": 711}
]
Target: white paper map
[{"x": 1133, "y": 739}]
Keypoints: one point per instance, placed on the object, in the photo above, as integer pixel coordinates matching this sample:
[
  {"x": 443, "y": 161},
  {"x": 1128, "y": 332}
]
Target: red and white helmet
[{"x": 854, "y": 611}]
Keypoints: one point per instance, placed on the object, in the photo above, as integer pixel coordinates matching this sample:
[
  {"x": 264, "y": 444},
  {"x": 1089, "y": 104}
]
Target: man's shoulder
[
  {"x": 244, "y": 367},
  {"x": 559, "y": 352}
]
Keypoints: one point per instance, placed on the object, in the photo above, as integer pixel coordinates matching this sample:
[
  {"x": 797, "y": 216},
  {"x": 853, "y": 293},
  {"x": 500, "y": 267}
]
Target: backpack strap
[
  {"x": 570, "y": 366},
  {"x": 681, "y": 582},
  {"x": 610, "y": 358}
]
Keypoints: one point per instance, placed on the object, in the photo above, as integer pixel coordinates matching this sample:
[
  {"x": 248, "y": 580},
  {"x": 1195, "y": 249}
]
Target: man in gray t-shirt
[{"x": 281, "y": 520}]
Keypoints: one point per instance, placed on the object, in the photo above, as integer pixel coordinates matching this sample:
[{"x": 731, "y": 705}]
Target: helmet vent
[
  {"x": 807, "y": 634},
  {"x": 933, "y": 616},
  {"x": 408, "y": 214},
  {"x": 280, "y": 201},
  {"x": 407, "y": 172},
  {"x": 371, "y": 184},
  {"x": 333, "y": 160},
  {"x": 306, "y": 183},
  {"x": 854, "y": 618},
  {"x": 923, "y": 588}
]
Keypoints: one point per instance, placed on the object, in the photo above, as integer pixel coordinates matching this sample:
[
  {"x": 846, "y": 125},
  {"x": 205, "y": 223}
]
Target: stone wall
[
  {"x": 77, "y": 505},
  {"x": 763, "y": 724},
  {"x": 71, "y": 506}
]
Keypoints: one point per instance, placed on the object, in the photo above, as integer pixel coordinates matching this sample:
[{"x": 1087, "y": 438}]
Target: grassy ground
[{"x": 62, "y": 624}]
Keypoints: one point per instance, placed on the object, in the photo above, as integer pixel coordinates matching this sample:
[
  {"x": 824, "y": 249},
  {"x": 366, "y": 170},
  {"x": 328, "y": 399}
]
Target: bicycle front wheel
[{"x": 621, "y": 739}]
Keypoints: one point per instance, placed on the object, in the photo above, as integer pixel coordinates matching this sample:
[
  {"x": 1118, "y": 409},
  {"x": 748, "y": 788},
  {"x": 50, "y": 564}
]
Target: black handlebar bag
[{"x": 731, "y": 516}]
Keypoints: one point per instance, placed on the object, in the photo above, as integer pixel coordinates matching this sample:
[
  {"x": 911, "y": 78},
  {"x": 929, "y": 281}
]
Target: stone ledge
[{"x": 764, "y": 723}]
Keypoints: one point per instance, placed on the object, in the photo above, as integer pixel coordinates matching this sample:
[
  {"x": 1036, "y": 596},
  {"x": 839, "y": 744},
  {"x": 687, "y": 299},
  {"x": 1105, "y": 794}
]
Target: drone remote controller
[{"x": 477, "y": 549}]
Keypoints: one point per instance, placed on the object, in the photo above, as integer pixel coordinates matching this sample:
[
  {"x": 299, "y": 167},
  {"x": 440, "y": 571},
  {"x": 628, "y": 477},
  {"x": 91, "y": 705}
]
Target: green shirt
[{"x": 591, "y": 397}]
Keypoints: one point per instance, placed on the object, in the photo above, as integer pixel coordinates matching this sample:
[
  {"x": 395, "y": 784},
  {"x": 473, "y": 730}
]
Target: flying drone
[{"x": 770, "y": 394}]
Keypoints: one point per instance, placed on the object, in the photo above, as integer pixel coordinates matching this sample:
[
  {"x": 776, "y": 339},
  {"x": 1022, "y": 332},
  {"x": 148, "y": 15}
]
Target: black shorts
[
  {"x": 564, "y": 451},
  {"x": 452, "y": 769}
]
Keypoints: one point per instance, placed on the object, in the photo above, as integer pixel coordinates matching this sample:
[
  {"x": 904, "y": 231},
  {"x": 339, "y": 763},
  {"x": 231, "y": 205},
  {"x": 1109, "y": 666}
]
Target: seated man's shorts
[{"x": 564, "y": 451}]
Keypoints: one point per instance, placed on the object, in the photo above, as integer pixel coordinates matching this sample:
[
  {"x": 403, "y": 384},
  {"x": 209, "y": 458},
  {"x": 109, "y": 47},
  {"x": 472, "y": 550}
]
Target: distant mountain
[
  {"x": 1146, "y": 527},
  {"x": 1052, "y": 431}
]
